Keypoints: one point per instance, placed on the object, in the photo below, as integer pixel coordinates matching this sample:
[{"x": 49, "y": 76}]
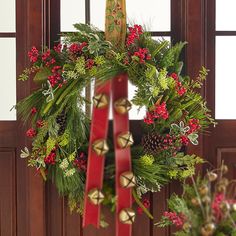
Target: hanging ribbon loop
[{"x": 118, "y": 88}]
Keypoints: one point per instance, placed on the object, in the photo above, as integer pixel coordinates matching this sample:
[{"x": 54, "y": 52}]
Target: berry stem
[{"x": 145, "y": 210}]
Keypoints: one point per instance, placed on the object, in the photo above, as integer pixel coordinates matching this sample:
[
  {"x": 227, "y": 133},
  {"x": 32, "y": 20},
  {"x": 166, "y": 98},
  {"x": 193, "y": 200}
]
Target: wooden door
[
  {"x": 21, "y": 191},
  {"x": 221, "y": 145},
  {"x": 28, "y": 207}
]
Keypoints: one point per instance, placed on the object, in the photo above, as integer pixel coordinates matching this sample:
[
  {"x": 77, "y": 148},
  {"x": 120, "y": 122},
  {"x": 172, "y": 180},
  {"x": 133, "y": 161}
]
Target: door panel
[
  {"x": 21, "y": 190},
  {"x": 34, "y": 208},
  {"x": 7, "y": 192},
  {"x": 221, "y": 144}
]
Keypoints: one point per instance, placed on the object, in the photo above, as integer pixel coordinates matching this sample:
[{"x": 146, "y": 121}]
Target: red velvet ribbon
[{"x": 95, "y": 170}]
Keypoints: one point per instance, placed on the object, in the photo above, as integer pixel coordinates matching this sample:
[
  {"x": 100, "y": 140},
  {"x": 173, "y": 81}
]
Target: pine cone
[
  {"x": 151, "y": 143},
  {"x": 61, "y": 121}
]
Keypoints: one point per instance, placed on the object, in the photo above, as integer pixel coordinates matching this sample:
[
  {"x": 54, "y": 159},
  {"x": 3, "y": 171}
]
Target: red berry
[{"x": 31, "y": 133}]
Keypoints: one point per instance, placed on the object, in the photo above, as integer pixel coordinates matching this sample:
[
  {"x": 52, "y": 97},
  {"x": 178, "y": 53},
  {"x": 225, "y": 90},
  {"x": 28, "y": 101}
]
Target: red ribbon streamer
[
  {"x": 95, "y": 170},
  {"x": 123, "y": 156}
]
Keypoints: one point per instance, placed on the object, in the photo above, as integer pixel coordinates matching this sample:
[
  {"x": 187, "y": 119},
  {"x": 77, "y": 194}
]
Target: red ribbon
[
  {"x": 123, "y": 156},
  {"x": 95, "y": 170}
]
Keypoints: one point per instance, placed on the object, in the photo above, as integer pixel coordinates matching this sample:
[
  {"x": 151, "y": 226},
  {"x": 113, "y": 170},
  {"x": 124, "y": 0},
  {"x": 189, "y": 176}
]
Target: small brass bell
[
  {"x": 212, "y": 176},
  {"x": 127, "y": 216},
  {"x": 122, "y": 105},
  {"x": 224, "y": 182},
  {"x": 127, "y": 179},
  {"x": 186, "y": 226},
  {"x": 203, "y": 190},
  {"x": 101, "y": 100},
  {"x": 195, "y": 201},
  {"x": 100, "y": 147},
  {"x": 234, "y": 207},
  {"x": 221, "y": 188},
  {"x": 206, "y": 199},
  {"x": 125, "y": 140},
  {"x": 225, "y": 207},
  {"x": 208, "y": 229},
  {"x": 95, "y": 196}
]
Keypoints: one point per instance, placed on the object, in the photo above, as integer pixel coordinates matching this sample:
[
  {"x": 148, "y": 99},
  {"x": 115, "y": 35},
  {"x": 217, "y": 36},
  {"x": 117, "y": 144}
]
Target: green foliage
[
  {"x": 42, "y": 75},
  {"x": 24, "y": 106},
  {"x": 50, "y": 145},
  {"x": 177, "y": 204},
  {"x": 170, "y": 57},
  {"x": 147, "y": 160},
  {"x": 183, "y": 166},
  {"x": 151, "y": 174},
  {"x": 64, "y": 139},
  {"x": 73, "y": 184},
  {"x": 80, "y": 66}
]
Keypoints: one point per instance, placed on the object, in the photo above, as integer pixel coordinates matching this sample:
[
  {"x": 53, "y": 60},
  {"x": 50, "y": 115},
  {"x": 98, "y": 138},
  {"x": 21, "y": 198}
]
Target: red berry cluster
[
  {"x": 167, "y": 142},
  {"x": 81, "y": 161},
  {"x": 31, "y": 133},
  {"x": 33, "y": 54},
  {"x": 33, "y": 110},
  {"x": 134, "y": 33},
  {"x": 160, "y": 112},
  {"x": 40, "y": 123},
  {"x": 89, "y": 63},
  {"x": 181, "y": 90},
  {"x": 176, "y": 219},
  {"x": 146, "y": 204},
  {"x": 194, "y": 125},
  {"x": 56, "y": 77},
  {"x": 47, "y": 58},
  {"x": 143, "y": 55},
  {"x": 184, "y": 140},
  {"x": 57, "y": 48},
  {"x": 216, "y": 205},
  {"x": 51, "y": 158},
  {"x": 75, "y": 47}
]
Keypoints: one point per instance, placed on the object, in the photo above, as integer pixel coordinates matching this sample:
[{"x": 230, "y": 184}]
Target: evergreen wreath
[{"x": 59, "y": 126}]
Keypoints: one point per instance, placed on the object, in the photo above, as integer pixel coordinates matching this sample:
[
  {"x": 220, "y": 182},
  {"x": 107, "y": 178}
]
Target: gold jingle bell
[
  {"x": 100, "y": 147},
  {"x": 195, "y": 201},
  {"x": 95, "y": 196},
  {"x": 221, "y": 188},
  {"x": 234, "y": 207},
  {"x": 127, "y": 179},
  {"x": 101, "y": 100},
  {"x": 225, "y": 207},
  {"x": 127, "y": 216},
  {"x": 208, "y": 229},
  {"x": 212, "y": 176},
  {"x": 203, "y": 190},
  {"x": 206, "y": 199},
  {"x": 224, "y": 182},
  {"x": 125, "y": 140},
  {"x": 186, "y": 226},
  {"x": 122, "y": 105}
]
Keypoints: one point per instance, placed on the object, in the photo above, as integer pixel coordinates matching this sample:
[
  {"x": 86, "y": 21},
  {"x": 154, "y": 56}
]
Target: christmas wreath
[{"x": 59, "y": 126}]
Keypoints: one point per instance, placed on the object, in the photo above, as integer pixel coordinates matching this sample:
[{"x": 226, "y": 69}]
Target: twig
[
  {"x": 136, "y": 198},
  {"x": 198, "y": 197}
]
